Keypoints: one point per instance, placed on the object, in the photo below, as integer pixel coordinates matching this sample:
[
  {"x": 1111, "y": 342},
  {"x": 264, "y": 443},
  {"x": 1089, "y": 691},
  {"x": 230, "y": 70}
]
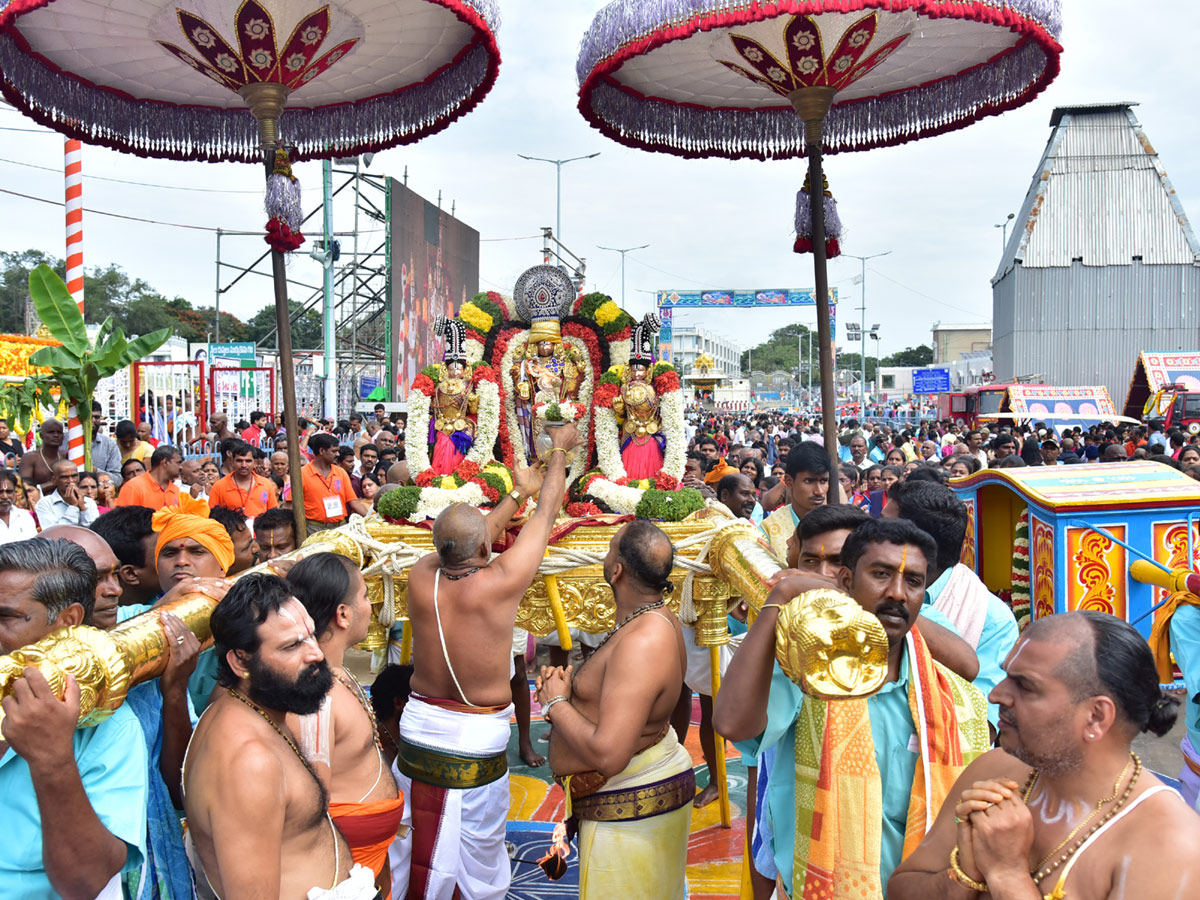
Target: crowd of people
[{"x": 295, "y": 781}]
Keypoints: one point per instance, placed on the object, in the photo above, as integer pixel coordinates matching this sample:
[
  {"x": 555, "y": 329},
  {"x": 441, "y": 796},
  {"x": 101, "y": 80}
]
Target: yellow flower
[
  {"x": 476, "y": 318},
  {"x": 607, "y": 312}
]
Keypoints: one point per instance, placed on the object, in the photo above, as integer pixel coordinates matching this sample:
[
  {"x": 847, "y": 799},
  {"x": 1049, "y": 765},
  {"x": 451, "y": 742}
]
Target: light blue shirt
[
  {"x": 996, "y": 641},
  {"x": 1185, "y": 647},
  {"x": 892, "y": 730},
  {"x": 112, "y": 765}
]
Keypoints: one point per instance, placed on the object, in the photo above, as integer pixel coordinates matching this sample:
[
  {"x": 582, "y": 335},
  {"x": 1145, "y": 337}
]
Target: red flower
[
  {"x": 484, "y": 373},
  {"x": 467, "y": 470},
  {"x": 623, "y": 335},
  {"x": 424, "y": 384},
  {"x": 605, "y": 394},
  {"x": 489, "y": 492},
  {"x": 665, "y": 482},
  {"x": 666, "y": 383},
  {"x": 424, "y": 479},
  {"x": 583, "y": 510}
]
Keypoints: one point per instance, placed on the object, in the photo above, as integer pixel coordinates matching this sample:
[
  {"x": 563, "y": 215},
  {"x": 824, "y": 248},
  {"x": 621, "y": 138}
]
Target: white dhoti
[
  {"x": 452, "y": 831},
  {"x": 698, "y": 676}
]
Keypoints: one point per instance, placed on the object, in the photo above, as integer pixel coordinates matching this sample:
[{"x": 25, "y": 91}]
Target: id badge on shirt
[{"x": 333, "y": 508}]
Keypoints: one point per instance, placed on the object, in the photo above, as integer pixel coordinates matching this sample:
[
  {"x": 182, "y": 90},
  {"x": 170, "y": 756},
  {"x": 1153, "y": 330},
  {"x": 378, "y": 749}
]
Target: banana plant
[
  {"x": 20, "y": 399},
  {"x": 78, "y": 365}
]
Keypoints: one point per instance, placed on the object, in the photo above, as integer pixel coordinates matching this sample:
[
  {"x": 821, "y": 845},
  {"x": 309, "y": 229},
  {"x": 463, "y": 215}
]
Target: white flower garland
[
  {"x": 670, "y": 410},
  {"x": 618, "y": 352},
  {"x": 474, "y": 351},
  {"x": 434, "y": 500},
  {"x": 487, "y": 423},
  {"x": 619, "y": 498},
  {"x": 608, "y": 443},
  {"x": 416, "y": 448}
]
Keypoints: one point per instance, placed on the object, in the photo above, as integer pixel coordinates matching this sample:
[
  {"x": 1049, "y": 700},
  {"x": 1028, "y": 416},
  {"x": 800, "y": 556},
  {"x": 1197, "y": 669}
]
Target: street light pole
[
  {"x": 623, "y": 252},
  {"x": 862, "y": 384},
  {"x": 558, "y": 164},
  {"x": 1004, "y": 233}
]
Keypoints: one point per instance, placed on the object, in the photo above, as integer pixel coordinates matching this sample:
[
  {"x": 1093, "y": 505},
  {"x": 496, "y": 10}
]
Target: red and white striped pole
[{"x": 73, "y": 174}]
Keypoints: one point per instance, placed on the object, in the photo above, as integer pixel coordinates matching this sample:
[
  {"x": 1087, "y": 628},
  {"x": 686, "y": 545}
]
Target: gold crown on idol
[{"x": 543, "y": 297}]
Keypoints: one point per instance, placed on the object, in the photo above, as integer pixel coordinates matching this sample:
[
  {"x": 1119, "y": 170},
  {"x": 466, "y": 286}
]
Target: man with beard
[
  {"x": 1064, "y": 808},
  {"x": 341, "y": 740},
  {"x": 806, "y": 486},
  {"x": 630, "y": 780},
  {"x": 258, "y": 815},
  {"x": 452, "y": 762},
  {"x": 888, "y": 760}
]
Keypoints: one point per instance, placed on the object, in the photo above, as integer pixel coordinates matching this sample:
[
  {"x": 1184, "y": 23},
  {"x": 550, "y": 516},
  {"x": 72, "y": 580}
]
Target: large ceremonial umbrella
[
  {"x": 780, "y": 79},
  {"x": 174, "y": 78}
]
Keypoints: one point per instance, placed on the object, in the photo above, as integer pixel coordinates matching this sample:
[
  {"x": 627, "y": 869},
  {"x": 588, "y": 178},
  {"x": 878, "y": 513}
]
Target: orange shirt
[
  {"x": 318, "y": 487},
  {"x": 253, "y": 503},
  {"x": 143, "y": 490}
]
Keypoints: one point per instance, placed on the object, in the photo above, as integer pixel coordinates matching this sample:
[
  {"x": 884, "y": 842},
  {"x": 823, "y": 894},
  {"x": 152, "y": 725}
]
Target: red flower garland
[
  {"x": 623, "y": 335},
  {"x": 666, "y": 383},
  {"x": 665, "y": 482},
  {"x": 424, "y": 384},
  {"x": 280, "y": 237},
  {"x": 604, "y": 395},
  {"x": 583, "y": 510},
  {"x": 499, "y": 348},
  {"x": 424, "y": 479}
]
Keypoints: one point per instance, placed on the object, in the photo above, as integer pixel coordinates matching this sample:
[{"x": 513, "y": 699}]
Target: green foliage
[
  {"x": 19, "y": 400},
  {"x": 14, "y": 285},
  {"x": 308, "y": 332},
  {"x": 669, "y": 506},
  {"x": 781, "y": 351},
  {"x": 78, "y": 365},
  {"x": 400, "y": 503},
  {"x": 921, "y": 355}
]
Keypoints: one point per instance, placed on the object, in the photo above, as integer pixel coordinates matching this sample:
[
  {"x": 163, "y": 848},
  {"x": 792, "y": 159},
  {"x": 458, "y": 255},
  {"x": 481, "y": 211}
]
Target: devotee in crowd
[
  {"x": 130, "y": 444},
  {"x": 128, "y": 532},
  {"x": 275, "y": 533},
  {"x": 245, "y": 547},
  {"x": 341, "y": 739},
  {"x": 218, "y": 428},
  {"x": 612, "y": 737},
  {"x": 65, "y": 504},
  {"x": 806, "y": 483},
  {"x": 190, "y": 480},
  {"x": 244, "y": 491},
  {"x": 1175, "y": 641},
  {"x": 108, "y": 585},
  {"x": 16, "y": 524},
  {"x": 37, "y": 466},
  {"x": 258, "y": 815},
  {"x": 106, "y": 455},
  {"x": 1080, "y": 687},
  {"x": 981, "y": 618},
  {"x": 461, "y": 697},
  {"x": 9, "y": 445},
  {"x": 883, "y": 567},
  {"x": 158, "y": 487},
  {"x": 74, "y": 797},
  {"x": 328, "y": 497}
]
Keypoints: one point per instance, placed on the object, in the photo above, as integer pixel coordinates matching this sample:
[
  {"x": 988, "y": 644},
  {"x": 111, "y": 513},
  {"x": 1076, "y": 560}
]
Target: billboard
[
  {"x": 435, "y": 269},
  {"x": 930, "y": 381}
]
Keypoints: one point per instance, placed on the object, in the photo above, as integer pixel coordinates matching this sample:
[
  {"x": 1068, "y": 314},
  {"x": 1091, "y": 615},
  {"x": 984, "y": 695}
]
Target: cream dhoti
[
  {"x": 452, "y": 766},
  {"x": 633, "y": 832}
]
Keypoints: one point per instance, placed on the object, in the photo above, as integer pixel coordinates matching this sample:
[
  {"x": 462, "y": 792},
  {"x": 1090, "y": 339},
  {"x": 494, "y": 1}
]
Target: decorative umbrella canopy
[
  {"x": 173, "y": 78},
  {"x": 703, "y": 78}
]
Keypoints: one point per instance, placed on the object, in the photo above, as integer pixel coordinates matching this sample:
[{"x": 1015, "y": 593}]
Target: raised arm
[
  {"x": 740, "y": 707},
  {"x": 520, "y": 561},
  {"x": 527, "y": 482}
]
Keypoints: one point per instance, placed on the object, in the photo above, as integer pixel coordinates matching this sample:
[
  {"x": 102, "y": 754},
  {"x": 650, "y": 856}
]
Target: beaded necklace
[
  {"x": 283, "y": 734},
  {"x": 1043, "y": 871}
]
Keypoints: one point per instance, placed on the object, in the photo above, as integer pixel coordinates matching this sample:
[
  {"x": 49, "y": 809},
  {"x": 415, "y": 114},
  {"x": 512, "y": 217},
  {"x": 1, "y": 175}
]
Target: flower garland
[
  {"x": 419, "y": 401},
  {"x": 15, "y": 350},
  {"x": 670, "y": 413},
  {"x": 468, "y": 483},
  {"x": 608, "y": 443},
  {"x": 618, "y": 498},
  {"x": 556, "y": 411},
  {"x": 487, "y": 421}
]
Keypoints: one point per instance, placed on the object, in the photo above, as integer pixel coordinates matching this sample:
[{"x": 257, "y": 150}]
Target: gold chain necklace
[
  {"x": 1099, "y": 806},
  {"x": 283, "y": 734},
  {"x": 1042, "y": 872}
]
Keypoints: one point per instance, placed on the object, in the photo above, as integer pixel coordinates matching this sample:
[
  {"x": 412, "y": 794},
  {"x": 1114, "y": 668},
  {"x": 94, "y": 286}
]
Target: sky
[{"x": 931, "y": 205}]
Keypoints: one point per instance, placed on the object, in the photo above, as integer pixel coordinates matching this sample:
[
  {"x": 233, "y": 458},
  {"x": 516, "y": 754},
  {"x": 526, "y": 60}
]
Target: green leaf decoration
[{"x": 57, "y": 310}]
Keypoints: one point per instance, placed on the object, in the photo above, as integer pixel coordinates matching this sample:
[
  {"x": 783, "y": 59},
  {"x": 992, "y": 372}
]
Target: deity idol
[
  {"x": 545, "y": 369},
  {"x": 642, "y": 440},
  {"x": 454, "y": 406}
]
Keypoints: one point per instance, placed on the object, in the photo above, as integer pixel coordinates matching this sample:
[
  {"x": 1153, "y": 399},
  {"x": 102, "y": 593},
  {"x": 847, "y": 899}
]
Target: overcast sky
[{"x": 710, "y": 224}]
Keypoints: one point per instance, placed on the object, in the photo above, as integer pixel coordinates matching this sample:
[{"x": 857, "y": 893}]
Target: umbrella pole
[
  {"x": 287, "y": 379},
  {"x": 812, "y": 104}
]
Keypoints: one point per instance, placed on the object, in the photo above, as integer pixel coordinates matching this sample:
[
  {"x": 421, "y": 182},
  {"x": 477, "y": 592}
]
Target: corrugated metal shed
[{"x": 1102, "y": 262}]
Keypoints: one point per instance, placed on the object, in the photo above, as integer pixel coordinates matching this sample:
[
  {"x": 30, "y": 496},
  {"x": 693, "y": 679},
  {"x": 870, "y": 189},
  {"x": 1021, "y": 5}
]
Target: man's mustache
[{"x": 897, "y": 609}]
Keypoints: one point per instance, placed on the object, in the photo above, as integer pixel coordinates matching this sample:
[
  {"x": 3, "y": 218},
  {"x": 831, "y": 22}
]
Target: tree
[
  {"x": 14, "y": 285},
  {"x": 78, "y": 365},
  {"x": 781, "y": 351},
  {"x": 853, "y": 362},
  {"x": 308, "y": 331},
  {"x": 910, "y": 357}
]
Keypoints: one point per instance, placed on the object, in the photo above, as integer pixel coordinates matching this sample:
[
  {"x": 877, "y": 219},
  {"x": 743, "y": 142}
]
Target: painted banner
[
  {"x": 1172, "y": 368},
  {"x": 741, "y": 298}
]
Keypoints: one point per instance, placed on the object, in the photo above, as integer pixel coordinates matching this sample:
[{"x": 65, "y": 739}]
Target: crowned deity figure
[
  {"x": 642, "y": 440},
  {"x": 454, "y": 406},
  {"x": 545, "y": 369}
]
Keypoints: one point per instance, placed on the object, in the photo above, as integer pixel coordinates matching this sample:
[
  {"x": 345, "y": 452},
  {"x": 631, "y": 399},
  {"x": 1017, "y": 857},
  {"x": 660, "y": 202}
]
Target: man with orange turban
[{"x": 191, "y": 545}]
